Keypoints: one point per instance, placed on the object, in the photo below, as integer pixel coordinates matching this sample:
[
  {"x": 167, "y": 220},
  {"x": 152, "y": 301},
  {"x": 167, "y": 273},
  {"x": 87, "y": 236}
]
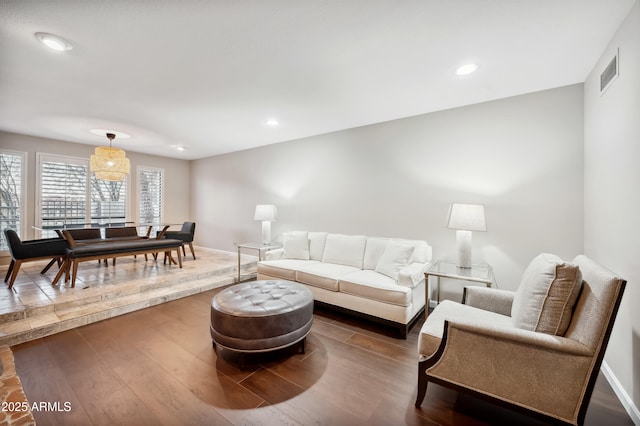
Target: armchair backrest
[
  {"x": 593, "y": 318},
  {"x": 13, "y": 241},
  {"x": 597, "y": 304},
  {"x": 188, "y": 228}
]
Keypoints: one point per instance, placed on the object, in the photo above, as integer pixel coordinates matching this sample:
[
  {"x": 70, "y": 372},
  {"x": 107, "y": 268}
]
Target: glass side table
[
  {"x": 482, "y": 274},
  {"x": 259, "y": 247}
]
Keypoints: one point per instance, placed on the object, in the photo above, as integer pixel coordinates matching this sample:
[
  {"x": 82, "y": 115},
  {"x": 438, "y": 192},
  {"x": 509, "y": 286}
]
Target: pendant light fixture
[{"x": 109, "y": 163}]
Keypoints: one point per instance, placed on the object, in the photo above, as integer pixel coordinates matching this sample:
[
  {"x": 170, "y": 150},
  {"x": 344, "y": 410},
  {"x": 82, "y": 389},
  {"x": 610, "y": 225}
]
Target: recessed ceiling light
[
  {"x": 466, "y": 69},
  {"x": 102, "y": 132},
  {"x": 180, "y": 148},
  {"x": 272, "y": 122},
  {"x": 53, "y": 42}
]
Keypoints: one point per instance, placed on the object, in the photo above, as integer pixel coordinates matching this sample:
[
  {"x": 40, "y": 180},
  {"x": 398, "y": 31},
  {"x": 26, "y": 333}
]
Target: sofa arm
[
  {"x": 489, "y": 299},
  {"x": 411, "y": 275},
  {"x": 275, "y": 254}
]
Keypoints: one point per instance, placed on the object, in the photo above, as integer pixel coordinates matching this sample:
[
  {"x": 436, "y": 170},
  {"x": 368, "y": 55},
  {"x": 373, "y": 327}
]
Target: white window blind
[
  {"x": 12, "y": 174},
  {"x": 108, "y": 201},
  {"x": 69, "y": 194},
  {"x": 150, "y": 194}
]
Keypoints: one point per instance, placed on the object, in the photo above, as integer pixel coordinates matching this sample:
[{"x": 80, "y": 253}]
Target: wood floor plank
[
  {"x": 271, "y": 387},
  {"x": 170, "y": 401},
  {"x": 44, "y": 381},
  {"x": 158, "y": 366},
  {"x": 202, "y": 379},
  {"x": 106, "y": 399}
]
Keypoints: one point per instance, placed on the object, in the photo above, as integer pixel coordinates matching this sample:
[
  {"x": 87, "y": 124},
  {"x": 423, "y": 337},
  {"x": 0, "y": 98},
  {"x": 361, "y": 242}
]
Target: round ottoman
[{"x": 261, "y": 316}]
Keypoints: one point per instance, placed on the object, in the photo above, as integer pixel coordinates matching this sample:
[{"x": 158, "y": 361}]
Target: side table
[
  {"x": 477, "y": 274},
  {"x": 259, "y": 247}
]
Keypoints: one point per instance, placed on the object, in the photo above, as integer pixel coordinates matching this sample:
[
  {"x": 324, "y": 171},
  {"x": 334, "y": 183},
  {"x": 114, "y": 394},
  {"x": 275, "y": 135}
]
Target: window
[
  {"x": 68, "y": 194},
  {"x": 12, "y": 194},
  {"x": 108, "y": 201},
  {"x": 150, "y": 194}
]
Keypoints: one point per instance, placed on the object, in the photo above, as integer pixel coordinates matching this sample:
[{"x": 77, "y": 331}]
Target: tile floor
[{"x": 34, "y": 308}]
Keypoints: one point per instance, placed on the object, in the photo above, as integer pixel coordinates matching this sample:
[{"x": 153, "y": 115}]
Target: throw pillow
[
  {"x": 546, "y": 296},
  {"x": 296, "y": 245},
  {"x": 394, "y": 258},
  {"x": 373, "y": 252}
]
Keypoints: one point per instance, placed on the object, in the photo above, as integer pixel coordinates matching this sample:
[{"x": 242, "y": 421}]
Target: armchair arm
[
  {"x": 537, "y": 371},
  {"x": 489, "y": 299},
  {"x": 411, "y": 275},
  {"x": 275, "y": 254}
]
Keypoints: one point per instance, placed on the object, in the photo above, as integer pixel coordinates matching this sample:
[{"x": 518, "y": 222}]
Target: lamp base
[
  {"x": 266, "y": 232},
  {"x": 463, "y": 240}
]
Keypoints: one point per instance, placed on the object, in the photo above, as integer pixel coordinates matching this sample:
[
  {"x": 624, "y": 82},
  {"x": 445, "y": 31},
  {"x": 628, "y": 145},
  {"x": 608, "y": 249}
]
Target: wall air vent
[{"x": 609, "y": 74}]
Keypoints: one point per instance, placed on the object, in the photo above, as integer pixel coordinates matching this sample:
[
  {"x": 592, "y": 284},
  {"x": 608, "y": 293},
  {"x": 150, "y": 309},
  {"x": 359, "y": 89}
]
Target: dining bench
[{"x": 77, "y": 253}]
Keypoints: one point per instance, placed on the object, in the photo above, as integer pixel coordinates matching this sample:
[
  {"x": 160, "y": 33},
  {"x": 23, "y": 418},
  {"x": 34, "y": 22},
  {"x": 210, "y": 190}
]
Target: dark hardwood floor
[{"x": 157, "y": 366}]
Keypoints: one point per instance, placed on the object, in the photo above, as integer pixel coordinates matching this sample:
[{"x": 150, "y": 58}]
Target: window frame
[{"x": 22, "y": 227}]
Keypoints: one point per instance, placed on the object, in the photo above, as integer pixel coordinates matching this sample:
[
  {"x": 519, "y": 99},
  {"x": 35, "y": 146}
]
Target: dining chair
[
  {"x": 31, "y": 250},
  {"x": 185, "y": 235}
]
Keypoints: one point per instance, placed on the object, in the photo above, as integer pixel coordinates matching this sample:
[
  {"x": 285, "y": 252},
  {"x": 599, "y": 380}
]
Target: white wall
[
  {"x": 176, "y": 174},
  {"x": 612, "y": 192},
  {"x": 521, "y": 157}
]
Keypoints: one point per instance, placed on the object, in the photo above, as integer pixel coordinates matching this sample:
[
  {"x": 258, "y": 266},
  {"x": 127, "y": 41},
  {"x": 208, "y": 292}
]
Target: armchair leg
[
  {"x": 14, "y": 273},
  {"x": 422, "y": 382},
  {"x": 192, "y": 252},
  {"x": 49, "y": 265},
  {"x": 11, "y": 265}
]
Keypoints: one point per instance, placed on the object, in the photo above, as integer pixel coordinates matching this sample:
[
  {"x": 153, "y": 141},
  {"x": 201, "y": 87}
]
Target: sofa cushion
[
  {"x": 283, "y": 268},
  {"x": 433, "y": 327},
  {"x": 546, "y": 295},
  {"x": 372, "y": 285},
  {"x": 323, "y": 275},
  {"x": 394, "y": 258},
  {"x": 344, "y": 250},
  {"x": 373, "y": 251},
  {"x": 296, "y": 245},
  {"x": 317, "y": 241}
]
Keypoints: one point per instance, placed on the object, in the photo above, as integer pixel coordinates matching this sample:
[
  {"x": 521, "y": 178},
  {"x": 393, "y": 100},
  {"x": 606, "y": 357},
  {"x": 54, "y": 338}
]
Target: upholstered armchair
[
  {"x": 185, "y": 235},
  {"x": 31, "y": 250},
  {"x": 537, "y": 350}
]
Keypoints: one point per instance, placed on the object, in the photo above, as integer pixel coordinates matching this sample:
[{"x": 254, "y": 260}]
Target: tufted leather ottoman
[{"x": 261, "y": 316}]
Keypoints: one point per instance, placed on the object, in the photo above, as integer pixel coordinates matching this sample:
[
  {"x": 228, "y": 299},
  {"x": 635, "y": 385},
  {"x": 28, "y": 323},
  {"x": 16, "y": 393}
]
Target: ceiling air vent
[{"x": 609, "y": 74}]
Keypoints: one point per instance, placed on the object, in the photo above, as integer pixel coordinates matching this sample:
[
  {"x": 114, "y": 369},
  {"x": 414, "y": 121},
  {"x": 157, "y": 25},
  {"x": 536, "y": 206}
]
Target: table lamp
[
  {"x": 266, "y": 213},
  {"x": 466, "y": 218}
]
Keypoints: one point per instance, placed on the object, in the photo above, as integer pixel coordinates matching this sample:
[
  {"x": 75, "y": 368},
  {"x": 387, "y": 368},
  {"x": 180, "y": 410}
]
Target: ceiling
[{"x": 207, "y": 74}]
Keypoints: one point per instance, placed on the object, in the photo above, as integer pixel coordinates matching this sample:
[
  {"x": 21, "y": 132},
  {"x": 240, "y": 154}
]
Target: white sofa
[{"x": 379, "y": 278}]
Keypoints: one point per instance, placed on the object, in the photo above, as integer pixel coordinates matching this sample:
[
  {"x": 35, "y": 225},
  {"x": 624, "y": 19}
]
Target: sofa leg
[
  {"x": 404, "y": 329},
  {"x": 422, "y": 382}
]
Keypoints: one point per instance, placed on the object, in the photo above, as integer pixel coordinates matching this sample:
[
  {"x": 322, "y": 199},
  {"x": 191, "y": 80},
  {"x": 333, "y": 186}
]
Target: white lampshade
[
  {"x": 266, "y": 212},
  {"x": 467, "y": 217}
]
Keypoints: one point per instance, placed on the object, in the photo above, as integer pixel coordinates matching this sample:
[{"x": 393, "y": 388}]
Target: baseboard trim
[{"x": 622, "y": 395}]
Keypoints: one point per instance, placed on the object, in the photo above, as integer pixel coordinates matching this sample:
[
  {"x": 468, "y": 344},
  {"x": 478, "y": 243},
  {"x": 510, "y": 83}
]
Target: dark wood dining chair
[{"x": 31, "y": 250}]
